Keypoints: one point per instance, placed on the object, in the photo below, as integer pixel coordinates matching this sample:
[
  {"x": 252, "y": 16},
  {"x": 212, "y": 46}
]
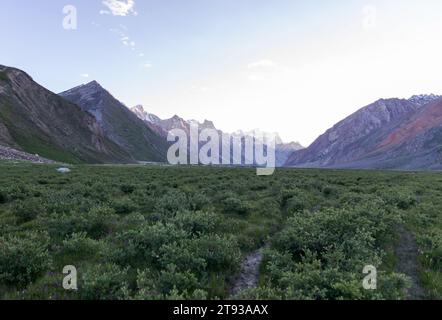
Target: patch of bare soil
[
  {"x": 407, "y": 253},
  {"x": 249, "y": 275}
]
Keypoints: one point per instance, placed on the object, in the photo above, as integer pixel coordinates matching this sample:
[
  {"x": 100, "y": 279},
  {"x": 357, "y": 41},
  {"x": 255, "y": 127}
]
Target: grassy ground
[{"x": 181, "y": 232}]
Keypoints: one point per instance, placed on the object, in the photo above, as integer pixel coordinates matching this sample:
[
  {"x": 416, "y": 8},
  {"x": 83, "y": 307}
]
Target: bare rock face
[
  {"x": 356, "y": 135},
  {"x": 416, "y": 143},
  {"x": 5, "y": 137},
  {"x": 391, "y": 133}
]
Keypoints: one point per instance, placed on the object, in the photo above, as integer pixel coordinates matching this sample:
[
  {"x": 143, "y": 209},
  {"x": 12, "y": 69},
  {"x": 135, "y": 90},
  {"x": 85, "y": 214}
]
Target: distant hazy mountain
[
  {"x": 285, "y": 150},
  {"x": 391, "y": 133},
  {"x": 163, "y": 127},
  {"x": 118, "y": 123},
  {"x": 37, "y": 121}
]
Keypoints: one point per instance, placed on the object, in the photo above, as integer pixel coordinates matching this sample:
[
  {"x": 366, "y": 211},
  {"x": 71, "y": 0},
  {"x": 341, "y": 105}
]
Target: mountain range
[
  {"x": 87, "y": 124},
  {"x": 163, "y": 127},
  {"x": 37, "y": 121}
]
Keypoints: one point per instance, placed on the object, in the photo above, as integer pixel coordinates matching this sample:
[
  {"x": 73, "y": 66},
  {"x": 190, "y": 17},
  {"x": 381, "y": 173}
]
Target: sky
[{"x": 286, "y": 66}]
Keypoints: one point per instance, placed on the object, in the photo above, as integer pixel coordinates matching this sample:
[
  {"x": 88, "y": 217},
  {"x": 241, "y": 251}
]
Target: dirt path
[
  {"x": 249, "y": 275},
  {"x": 407, "y": 253}
]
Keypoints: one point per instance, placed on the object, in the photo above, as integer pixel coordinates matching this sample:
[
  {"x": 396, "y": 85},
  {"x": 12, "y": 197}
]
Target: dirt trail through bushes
[
  {"x": 249, "y": 275},
  {"x": 407, "y": 254}
]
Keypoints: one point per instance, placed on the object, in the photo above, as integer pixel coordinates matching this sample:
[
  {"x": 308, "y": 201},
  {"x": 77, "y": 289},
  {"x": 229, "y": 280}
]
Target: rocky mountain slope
[
  {"x": 118, "y": 123},
  {"x": 7, "y": 153},
  {"x": 391, "y": 134},
  {"x": 37, "y": 121},
  {"x": 415, "y": 144}
]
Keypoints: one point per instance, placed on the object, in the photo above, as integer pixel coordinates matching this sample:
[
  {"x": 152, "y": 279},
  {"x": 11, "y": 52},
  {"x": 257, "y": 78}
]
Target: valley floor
[{"x": 153, "y": 232}]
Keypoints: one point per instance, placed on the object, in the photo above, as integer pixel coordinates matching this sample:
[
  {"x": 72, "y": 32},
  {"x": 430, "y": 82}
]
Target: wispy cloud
[
  {"x": 261, "y": 70},
  {"x": 127, "y": 42},
  {"x": 200, "y": 88},
  {"x": 125, "y": 39},
  {"x": 262, "y": 64},
  {"x": 84, "y": 75},
  {"x": 121, "y": 8}
]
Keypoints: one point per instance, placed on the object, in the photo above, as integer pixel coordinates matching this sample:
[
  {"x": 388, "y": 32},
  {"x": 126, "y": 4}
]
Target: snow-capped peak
[
  {"x": 144, "y": 115},
  {"x": 423, "y": 99}
]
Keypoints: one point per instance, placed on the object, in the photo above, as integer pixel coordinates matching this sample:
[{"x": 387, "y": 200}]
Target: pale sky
[{"x": 295, "y": 67}]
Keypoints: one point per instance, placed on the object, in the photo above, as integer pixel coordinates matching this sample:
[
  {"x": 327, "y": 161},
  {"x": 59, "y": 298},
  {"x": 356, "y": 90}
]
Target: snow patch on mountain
[
  {"x": 282, "y": 150},
  {"x": 423, "y": 99},
  {"x": 144, "y": 115}
]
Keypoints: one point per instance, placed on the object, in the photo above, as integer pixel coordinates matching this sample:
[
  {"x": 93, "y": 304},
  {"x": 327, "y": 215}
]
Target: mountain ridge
[
  {"x": 119, "y": 124},
  {"x": 283, "y": 150},
  {"x": 362, "y": 139},
  {"x": 37, "y": 121}
]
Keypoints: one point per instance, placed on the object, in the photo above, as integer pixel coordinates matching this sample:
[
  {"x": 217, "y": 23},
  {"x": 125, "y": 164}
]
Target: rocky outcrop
[{"x": 7, "y": 153}]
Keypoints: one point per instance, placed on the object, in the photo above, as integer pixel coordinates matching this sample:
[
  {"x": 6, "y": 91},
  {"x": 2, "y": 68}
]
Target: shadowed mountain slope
[{"x": 37, "y": 121}]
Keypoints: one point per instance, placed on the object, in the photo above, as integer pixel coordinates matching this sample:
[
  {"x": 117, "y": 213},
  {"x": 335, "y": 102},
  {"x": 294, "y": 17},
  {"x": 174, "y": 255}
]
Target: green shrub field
[{"x": 154, "y": 232}]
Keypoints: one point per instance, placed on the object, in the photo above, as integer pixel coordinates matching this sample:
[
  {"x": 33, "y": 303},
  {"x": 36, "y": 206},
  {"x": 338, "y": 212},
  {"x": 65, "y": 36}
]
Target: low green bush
[
  {"x": 96, "y": 222},
  {"x": 172, "y": 202},
  {"x": 123, "y": 206},
  {"x": 197, "y": 222},
  {"x": 235, "y": 205},
  {"x": 79, "y": 247},
  {"x": 104, "y": 282},
  {"x": 198, "y": 201},
  {"x": 127, "y": 188},
  {"x": 23, "y": 258},
  {"x": 169, "y": 284},
  {"x": 28, "y": 210},
  {"x": 142, "y": 246},
  {"x": 3, "y": 196},
  {"x": 221, "y": 253}
]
